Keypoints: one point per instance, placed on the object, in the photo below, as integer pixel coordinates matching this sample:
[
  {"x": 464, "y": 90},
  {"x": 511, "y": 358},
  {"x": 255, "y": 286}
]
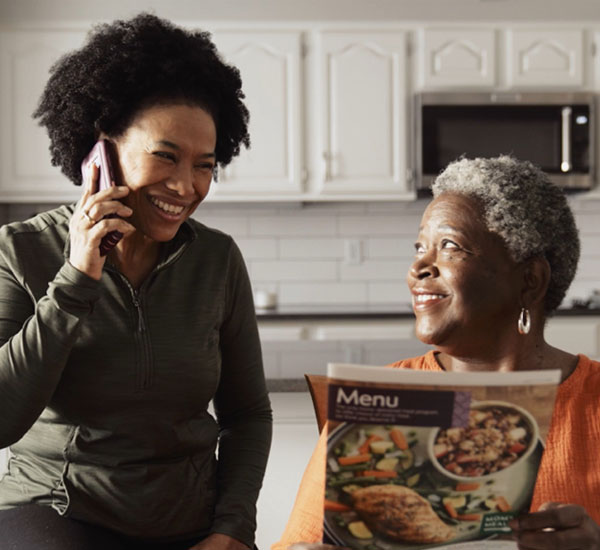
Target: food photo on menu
[{"x": 421, "y": 460}]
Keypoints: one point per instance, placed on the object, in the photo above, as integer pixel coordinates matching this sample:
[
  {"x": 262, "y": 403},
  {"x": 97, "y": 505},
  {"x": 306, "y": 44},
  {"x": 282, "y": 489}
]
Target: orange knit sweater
[{"x": 569, "y": 472}]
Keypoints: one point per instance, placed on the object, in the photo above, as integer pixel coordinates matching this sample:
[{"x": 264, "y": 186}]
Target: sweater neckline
[{"x": 569, "y": 383}]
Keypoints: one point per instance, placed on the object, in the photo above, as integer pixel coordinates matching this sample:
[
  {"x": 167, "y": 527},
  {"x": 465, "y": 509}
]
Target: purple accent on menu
[
  {"x": 462, "y": 406},
  {"x": 371, "y": 405}
]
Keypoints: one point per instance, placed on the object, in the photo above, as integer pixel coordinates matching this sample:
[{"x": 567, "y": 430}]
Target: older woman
[
  {"x": 496, "y": 252},
  {"x": 108, "y": 362}
]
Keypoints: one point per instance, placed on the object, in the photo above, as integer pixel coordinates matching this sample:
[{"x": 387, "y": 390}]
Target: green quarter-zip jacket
[{"x": 104, "y": 389}]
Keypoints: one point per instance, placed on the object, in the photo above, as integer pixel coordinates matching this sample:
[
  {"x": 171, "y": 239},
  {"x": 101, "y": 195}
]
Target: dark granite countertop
[{"x": 308, "y": 312}]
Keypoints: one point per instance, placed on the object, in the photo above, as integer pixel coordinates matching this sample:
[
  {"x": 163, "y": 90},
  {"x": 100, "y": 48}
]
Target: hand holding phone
[{"x": 100, "y": 155}]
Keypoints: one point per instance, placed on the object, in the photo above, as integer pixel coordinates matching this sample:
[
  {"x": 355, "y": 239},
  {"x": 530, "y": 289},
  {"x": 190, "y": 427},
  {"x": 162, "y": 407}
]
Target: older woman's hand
[
  {"x": 557, "y": 527},
  {"x": 88, "y": 225}
]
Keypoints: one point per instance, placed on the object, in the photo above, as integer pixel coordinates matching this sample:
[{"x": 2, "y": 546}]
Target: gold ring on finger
[{"x": 88, "y": 217}]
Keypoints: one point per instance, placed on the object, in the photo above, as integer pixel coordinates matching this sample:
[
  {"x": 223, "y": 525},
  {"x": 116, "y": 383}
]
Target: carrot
[
  {"x": 467, "y": 486},
  {"x": 468, "y": 517},
  {"x": 502, "y": 504},
  {"x": 517, "y": 447},
  {"x": 379, "y": 473},
  {"x": 451, "y": 510},
  {"x": 356, "y": 459},
  {"x": 398, "y": 438},
  {"x": 452, "y": 466},
  {"x": 364, "y": 448},
  {"x": 464, "y": 458},
  {"x": 336, "y": 506},
  {"x": 440, "y": 450}
]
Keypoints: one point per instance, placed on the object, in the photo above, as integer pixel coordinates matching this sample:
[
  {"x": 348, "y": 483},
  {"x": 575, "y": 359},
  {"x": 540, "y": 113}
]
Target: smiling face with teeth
[
  {"x": 166, "y": 158},
  {"x": 464, "y": 284}
]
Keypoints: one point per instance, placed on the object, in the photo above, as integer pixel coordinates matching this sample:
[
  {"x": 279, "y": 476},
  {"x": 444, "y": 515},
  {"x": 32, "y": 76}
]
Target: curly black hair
[{"x": 128, "y": 65}]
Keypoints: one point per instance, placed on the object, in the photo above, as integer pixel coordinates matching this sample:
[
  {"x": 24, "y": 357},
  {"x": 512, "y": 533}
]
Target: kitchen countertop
[
  {"x": 363, "y": 311},
  {"x": 314, "y": 312}
]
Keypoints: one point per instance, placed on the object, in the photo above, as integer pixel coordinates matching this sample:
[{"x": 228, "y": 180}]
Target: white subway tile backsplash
[
  {"x": 293, "y": 270},
  {"x": 374, "y": 270},
  {"x": 584, "y": 204},
  {"x": 377, "y": 224},
  {"x": 257, "y": 249},
  {"x": 398, "y": 208},
  {"x": 581, "y": 290},
  {"x": 298, "y": 250},
  {"x": 323, "y": 293},
  {"x": 292, "y": 225},
  {"x": 386, "y": 292},
  {"x": 590, "y": 244},
  {"x": 236, "y": 226},
  {"x": 589, "y": 268},
  {"x": 391, "y": 247},
  {"x": 311, "y": 248},
  {"x": 588, "y": 222}
]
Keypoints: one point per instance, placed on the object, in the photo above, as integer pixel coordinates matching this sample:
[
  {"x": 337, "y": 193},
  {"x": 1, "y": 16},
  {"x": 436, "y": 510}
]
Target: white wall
[
  {"x": 298, "y": 250},
  {"x": 12, "y": 11}
]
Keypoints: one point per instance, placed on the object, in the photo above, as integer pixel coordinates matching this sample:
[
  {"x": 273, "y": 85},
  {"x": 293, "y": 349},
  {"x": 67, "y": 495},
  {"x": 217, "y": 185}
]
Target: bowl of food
[{"x": 499, "y": 437}]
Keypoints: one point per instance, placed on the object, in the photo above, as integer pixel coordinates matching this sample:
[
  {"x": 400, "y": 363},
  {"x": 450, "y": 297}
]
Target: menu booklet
[{"x": 419, "y": 459}]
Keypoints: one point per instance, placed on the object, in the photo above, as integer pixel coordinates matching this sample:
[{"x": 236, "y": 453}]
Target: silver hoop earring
[{"x": 524, "y": 323}]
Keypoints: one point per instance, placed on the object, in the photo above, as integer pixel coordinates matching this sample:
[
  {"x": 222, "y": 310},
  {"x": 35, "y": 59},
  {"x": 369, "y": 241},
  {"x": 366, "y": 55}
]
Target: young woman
[{"x": 108, "y": 362}]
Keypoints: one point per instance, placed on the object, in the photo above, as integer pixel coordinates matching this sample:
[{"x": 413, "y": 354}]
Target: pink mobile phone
[{"x": 100, "y": 155}]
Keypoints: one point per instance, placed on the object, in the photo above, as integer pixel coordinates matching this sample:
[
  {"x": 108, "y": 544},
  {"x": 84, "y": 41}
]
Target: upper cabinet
[
  {"x": 269, "y": 63},
  {"x": 501, "y": 58},
  {"x": 362, "y": 119},
  {"x": 26, "y": 173},
  {"x": 330, "y": 105},
  {"x": 457, "y": 57},
  {"x": 545, "y": 58}
]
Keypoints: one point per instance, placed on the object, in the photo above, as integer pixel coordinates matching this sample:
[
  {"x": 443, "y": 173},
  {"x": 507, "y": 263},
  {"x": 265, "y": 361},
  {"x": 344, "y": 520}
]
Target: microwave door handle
[{"x": 565, "y": 164}]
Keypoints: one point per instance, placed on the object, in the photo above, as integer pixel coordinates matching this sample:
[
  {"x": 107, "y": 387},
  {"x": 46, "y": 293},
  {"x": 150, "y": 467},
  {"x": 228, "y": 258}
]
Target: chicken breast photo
[{"x": 400, "y": 514}]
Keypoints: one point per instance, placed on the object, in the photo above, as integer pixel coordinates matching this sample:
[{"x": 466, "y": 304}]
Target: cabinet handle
[
  {"x": 327, "y": 162},
  {"x": 565, "y": 164}
]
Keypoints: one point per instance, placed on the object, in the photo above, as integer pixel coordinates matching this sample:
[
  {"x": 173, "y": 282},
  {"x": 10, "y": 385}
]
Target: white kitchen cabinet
[
  {"x": 295, "y": 435},
  {"x": 362, "y": 123},
  {"x": 269, "y": 63},
  {"x": 457, "y": 57},
  {"x": 3, "y": 461},
  {"x": 596, "y": 61},
  {"x": 580, "y": 334},
  {"x": 26, "y": 173},
  {"x": 293, "y": 348},
  {"x": 545, "y": 58}
]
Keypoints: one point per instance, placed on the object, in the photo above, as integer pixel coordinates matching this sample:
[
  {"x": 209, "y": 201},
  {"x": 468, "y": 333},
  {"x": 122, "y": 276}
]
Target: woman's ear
[{"x": 536, "y": 278}]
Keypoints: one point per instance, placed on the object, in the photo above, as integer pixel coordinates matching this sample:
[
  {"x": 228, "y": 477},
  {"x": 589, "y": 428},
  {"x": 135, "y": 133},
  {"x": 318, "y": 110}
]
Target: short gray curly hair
[{"x": 525, "y": 209}]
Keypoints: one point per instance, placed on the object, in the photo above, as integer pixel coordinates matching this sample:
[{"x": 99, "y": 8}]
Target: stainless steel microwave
[{"x": 555, "y": 131}]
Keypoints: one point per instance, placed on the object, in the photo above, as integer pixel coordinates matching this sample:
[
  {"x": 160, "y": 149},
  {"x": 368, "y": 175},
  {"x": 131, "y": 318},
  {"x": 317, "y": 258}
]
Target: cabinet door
[
  {"x": 550, "y": 58},
  {"x": 458, "y": 57},
  {"x": 26, "y": 174},
  {"x": 295, "y": 435},
  {"x": 269, "y": 63},
  {"x": 3, "y": 462},
  {"x": 363, "y": 118}
]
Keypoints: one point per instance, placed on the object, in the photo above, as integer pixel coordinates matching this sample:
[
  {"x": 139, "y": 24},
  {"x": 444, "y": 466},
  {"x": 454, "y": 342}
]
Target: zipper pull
[{"x": 138, "y": 306}]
